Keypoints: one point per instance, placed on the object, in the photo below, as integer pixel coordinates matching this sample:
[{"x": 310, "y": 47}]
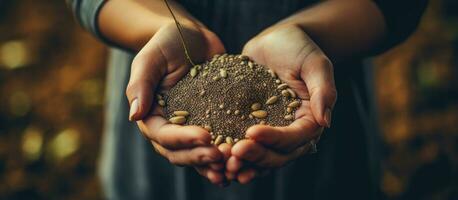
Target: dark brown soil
[{"x": 223, "y": 102}]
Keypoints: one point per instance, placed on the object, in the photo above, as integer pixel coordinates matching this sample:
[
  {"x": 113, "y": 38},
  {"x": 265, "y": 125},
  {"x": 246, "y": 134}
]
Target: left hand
[{"x": 299, "y": 62}]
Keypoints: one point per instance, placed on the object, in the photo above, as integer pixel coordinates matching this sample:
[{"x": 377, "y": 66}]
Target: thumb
[
  {"x": 147, "y": 69},
  {"x": 317, "y": 73}
]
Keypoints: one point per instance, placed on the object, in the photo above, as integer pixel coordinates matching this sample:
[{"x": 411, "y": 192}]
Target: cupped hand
[
  {"x": 299, "y": 62},
  {"x": 159, "y": 65}
]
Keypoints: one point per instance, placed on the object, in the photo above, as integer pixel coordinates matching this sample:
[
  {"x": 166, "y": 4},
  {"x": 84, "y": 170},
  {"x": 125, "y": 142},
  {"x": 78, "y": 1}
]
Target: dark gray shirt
[{"x": 344, "y": 167}]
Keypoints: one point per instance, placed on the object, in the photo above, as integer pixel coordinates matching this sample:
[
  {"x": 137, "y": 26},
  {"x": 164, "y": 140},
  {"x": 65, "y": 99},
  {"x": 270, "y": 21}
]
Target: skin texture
[{"x": 299, "y": 49}]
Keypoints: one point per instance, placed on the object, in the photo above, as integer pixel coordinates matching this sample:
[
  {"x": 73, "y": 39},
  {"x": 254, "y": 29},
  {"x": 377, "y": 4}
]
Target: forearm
[
  {"x": 342, "y": 29},
  {"x": 131, "y": 23}
]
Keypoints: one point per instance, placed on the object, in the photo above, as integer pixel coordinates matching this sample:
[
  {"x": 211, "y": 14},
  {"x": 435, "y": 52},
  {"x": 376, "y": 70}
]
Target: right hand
[{"x": 159, "y": 65}]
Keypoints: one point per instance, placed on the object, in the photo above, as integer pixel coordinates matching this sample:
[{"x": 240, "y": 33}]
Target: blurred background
[{"x": 52, "y": 79}]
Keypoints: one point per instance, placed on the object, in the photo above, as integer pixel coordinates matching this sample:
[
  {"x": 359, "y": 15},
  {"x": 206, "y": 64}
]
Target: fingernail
[
  {"x": 327, "y": 117},
  {"x": 133, "y": 109}
]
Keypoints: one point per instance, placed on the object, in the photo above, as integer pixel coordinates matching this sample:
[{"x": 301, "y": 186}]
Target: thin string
[{"x": 186, "y": 52}]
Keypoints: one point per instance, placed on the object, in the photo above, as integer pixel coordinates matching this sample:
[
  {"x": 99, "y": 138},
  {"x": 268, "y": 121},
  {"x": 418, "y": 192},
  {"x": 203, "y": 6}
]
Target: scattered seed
[
  {"x": 208, "y": 128},
  {"x": 229, "y": 140},
  {"x": 161, "y": 103},
  {"x": 223, "y": 73},
  {"x": 236, "y": 140},
  {"x": 194, "y": 72},
  {"x": 228, "y": 112},
  {"x": 216, "y": 78},
  {"x": 243, "y": 117},
  {"x": 294, "y": 104},
  {"x": 236, "y": 112},
  {"x": 277, "y": 81},
  {"x": 250, "y": 64},
  {"x": 256, "y": 106},
  {"x": 181, "y": 113},
  {"x": 260, "y": 114},
  {"x": 221, "y": 106},
  {"x": 285, "y": 93},
  {"x": 207, "y": 112},
  {"x": 289, "y": 117},
  {"x": 291, "y": 93},
  {"x": 250, "y": 116},
  {"x": 207, "y": 116},
  {"x": 218, "y": 140},
  {"x": 282, "y": 86},
  {"x": 212, "y": 142},
  {"x": 198, "y": 67},
  {"x": 272, "y": 100},
  {"x": 262, "y": 122},
  {"x": 178, "y": 120},
  {"x": 202, "y": 93}
]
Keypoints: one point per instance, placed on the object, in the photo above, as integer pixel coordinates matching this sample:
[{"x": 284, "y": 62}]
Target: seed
[
  {"x": 256, "y": 106},
  {"x": 229, "y": 140},
  {"x": 216, "y": 78},
  {"x": 202, "y": 93},
  {"x": 250, "y": 116},
  {"x": 285, "y": 93},
  {"x": 228, "y": 112},
  {"x": 161, "y": 103},
  {"x": 178, "y": 120},
  {"x": 272, "y": 100},
  {"x": 236, "y": 112},
  {"x": 212, "y": 142},
  {"x": 294, "y": 104},
  {"x": 216, "y": 56},
  {"x": 277, "y": 81},
  {"x": 207, "y": 116},
  {"x": 208, "y": 128},
  {"x": 262, "y": 122},
  {"x": 250, "y": 64},
  {"x": 272, "y": 73},
  {"x": 218, "y": 140},
  {"x": 260, "y": 114},
  {"x": 194, "y": 72},
  {"x": 198, "y": 67},
  {"x": 181, "y": 113},
  {"x": 289, "y": 117},
  {"x": 282, "y": 86},
  {"x": 207, "y": 112},
  {"x": 221, "y": 106},
  {"x": 242, "y": 63},
  {"x": 213, "y": 136},
  {"x": 236, "y": 140},
  {"x": 292, "y": 93},
  {"x": 289, "y": 110},
  {"x": 223, "y": 73}
]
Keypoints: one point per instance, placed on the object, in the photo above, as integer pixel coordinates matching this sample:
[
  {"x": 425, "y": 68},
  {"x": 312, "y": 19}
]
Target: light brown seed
[
  {"x": 229, "y": 140},
  {"x": 212, "y": 142},
  {"x": 242, "y": 117},
  {"x": 213, "y": 136},
  {"x": 228, "y": 112},
  {"x": 178, "y": 120},
  {"x": 262, "y": 122},
  {"x": 221, "y": 106},
  {"x": 202, "y": 93},
  {"x": 272, "y": 73},
  {"x": 289, "y": 110},
  {"x": 223, "y": 73},
  {"x": 194, "y": 72},
  {"x": 161, "y": 103},
  {"x": 207, "y": 112},
  {"x": 285, "y": 93},
  {"x": 181, "y": 113},
  {"x": 236, "y": 112},
  {"x": 277, "y": 81},
  {"x": 294, "y": 104},
  {"x": 250, "y": 116},
  {"x": 289, "y": 117},
  {"x": 218, "y": 140},
  {"x": 256, "y": 106},
  {"x": 216, "y": 78},
  {"x": 282, "y": 86},
  {"x": 208, "y": 128},
  {"x": 260, "y": 114},
  {"x": 198, "y": 67},
  {"x": 236, "y": 140},
  {"x": 272, "y": 100},
  {"x": 291, "y": 93},
  {"x": 250, "y": 64}
]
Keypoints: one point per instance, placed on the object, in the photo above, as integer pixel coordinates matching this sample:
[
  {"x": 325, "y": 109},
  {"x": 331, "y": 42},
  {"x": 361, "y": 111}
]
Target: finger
[
  {"x": 146, "y": 71},
  {"x": 233, "y": 164},
  {"x": 263, "y": 157},
  {"x": 213, "y": 176},
  {"x": 246, "y": 176},
  {"x": 317, "y": 73},
  {"x": 215, "y": 44},
  {"x": 198, "y": 156},
  {"x": 225, "y": 150},
  {"x": 285, "y": 139},
  {"x": 173, "y": 136}
]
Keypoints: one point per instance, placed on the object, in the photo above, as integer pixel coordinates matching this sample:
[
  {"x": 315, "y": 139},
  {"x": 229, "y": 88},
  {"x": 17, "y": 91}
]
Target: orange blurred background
[{"x": 52, "y": 80}]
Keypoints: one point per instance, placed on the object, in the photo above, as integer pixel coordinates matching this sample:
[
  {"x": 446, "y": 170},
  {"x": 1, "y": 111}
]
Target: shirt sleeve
[
  {"x": 86, "y": 12},
  {"x": 401, "y": 17}
]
